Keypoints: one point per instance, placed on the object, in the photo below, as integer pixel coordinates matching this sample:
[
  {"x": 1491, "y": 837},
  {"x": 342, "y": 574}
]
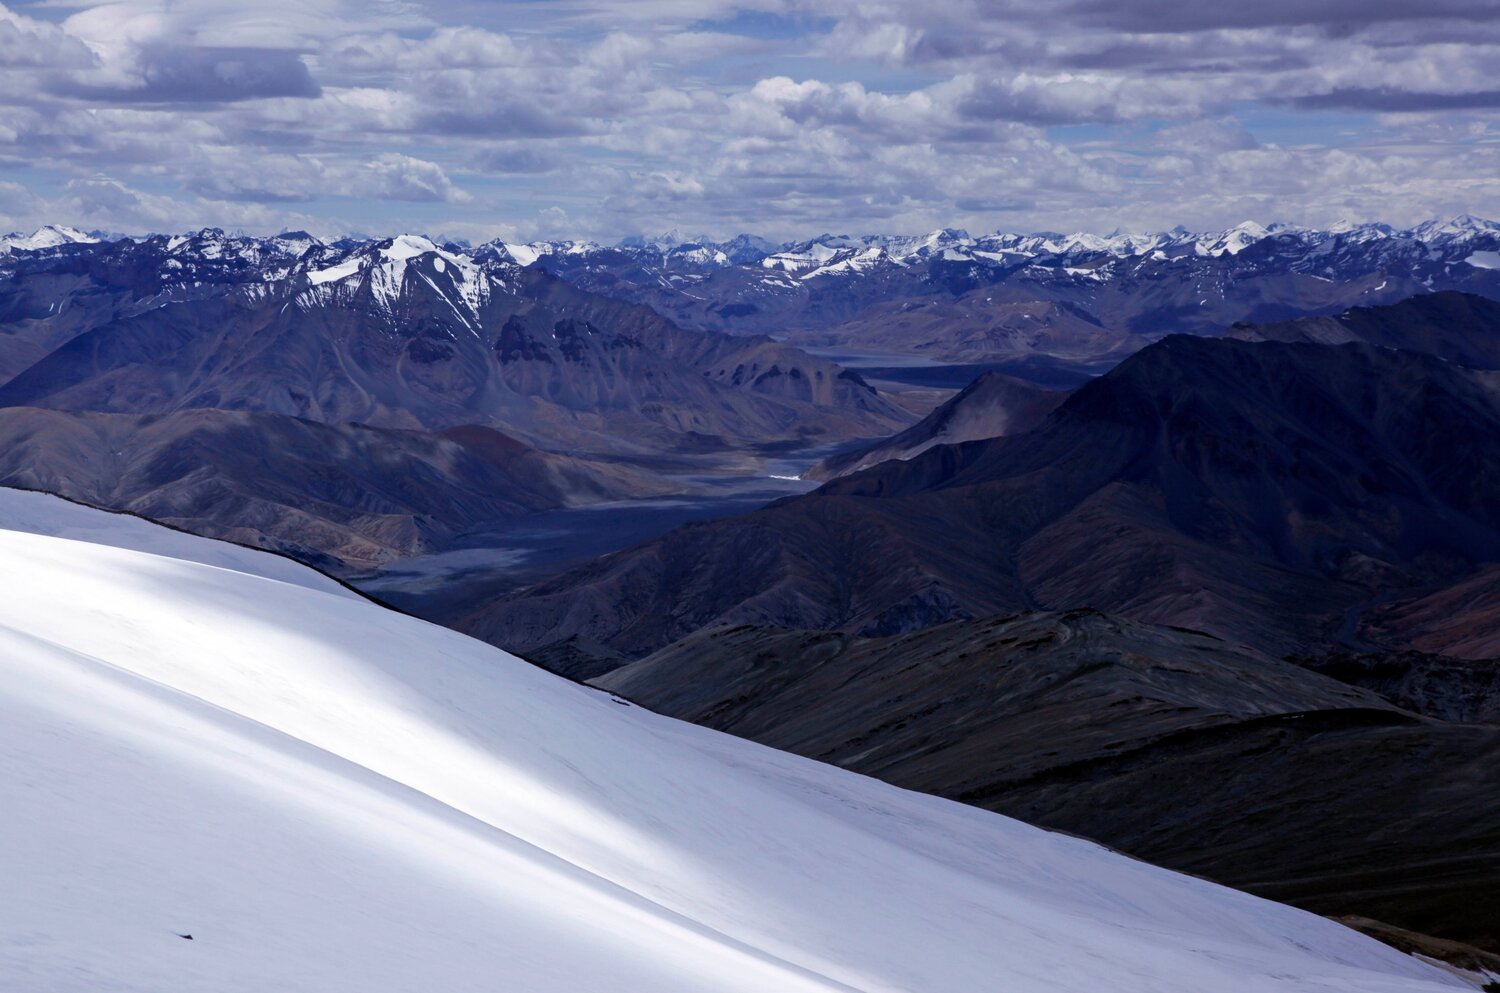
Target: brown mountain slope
[
  {"x": 1462, "y": 619},
  {"x": 1172, "y": 745},
  {"x": 341, "y": 496}
]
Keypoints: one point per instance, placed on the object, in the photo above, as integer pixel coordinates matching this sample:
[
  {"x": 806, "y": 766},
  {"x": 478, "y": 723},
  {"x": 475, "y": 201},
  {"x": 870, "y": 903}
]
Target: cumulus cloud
[
  {"x": 198, "y": 74},
  {"x": 777, "y": 116},
  {"x": 401, "y": 177},
  {"x": 27, "y": 43}
]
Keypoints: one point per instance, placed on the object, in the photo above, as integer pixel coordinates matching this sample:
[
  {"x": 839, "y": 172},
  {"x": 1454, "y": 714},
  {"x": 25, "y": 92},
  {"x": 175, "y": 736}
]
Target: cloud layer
[{"x": 598, "y": 118}]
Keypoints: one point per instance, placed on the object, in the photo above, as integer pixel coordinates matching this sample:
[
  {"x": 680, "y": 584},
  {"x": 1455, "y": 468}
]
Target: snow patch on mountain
[
  {"x": 407, "y": 246},
  {"x": 334, "y": 273}
]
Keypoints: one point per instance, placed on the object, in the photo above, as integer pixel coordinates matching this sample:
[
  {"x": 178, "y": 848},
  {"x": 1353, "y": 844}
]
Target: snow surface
[
  {"x": 49, "y": 236},
  {"x": 335, "y": 273},
  {"x": 333, "y": 797},
  {"x": 1484, "y": 260},
  {"x": 407, "y": 246},
  {"x": 51, "y": 516},
  {"x": 1233, "y": 241},
  {"x": 523, "y": 255},
  {"x": 853, "y": 263}
]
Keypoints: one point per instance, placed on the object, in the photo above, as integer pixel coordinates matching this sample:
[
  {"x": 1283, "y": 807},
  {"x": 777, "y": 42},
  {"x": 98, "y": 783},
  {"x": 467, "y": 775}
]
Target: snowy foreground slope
[{"x": 333, "y": 797}]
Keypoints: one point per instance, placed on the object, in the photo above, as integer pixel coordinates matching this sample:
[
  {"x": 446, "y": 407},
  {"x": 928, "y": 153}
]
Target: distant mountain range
[
  {"x": 1078, "y": 299},
  {"x": 398, "y": 334},
  {"x": 1075, "y": 299},
  {"x": 830, "y": 254}
]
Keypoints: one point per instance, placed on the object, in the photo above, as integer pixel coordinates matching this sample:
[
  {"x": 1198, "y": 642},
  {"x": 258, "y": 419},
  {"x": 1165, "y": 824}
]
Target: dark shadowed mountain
[
  {"x": 345, "y": 497},
  {"x": 1172, "y": 745},
  {"x": 1459, "y": 327},
  {"x": 1265, "y": 492},
  {"x": 1463, "y": 691},
  {"x": 992, "y": 406}
]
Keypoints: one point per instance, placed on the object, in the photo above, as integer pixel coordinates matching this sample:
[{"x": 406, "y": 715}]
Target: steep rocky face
[
  {"x": 993, "y": 406},
  {"x": 1263, "y": 492},
  {"x": 1165, "y": 743},
  {"x": 346, "y": 497}
]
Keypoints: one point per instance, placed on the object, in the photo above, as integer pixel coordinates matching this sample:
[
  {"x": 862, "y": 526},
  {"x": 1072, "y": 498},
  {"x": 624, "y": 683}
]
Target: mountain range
[
  {"x": 1076, "y": 300},
  {"x": 399, "y": 334},
  {"x": 1266, "y": 492},
  {"x": 1261, "y": 554},
  {"x": 358, "y": 403},
  {"x": 409, "y": 335}
]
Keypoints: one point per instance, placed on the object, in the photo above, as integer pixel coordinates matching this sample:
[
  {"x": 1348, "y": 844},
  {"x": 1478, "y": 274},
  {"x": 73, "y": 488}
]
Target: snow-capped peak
[
  {"x": 708, "y": 256},
  {"x": 1233, "y": 241},
  {"x": 383, "y": 267},
  {"x": 1464, "y": 227},
  {"x": 940, "y": 243},
  {"x": 407, "y": 246},
  {"x": 47, "y": 236},
  {"x": 853, "y": 261},
  {"x": 295, "y": 243},
  {"x": 808, "y": 254}
]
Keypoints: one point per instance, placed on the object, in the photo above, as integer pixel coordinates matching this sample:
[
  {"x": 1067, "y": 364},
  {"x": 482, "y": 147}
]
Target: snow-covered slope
[
  {"x": 51, "y": 516},
  {"x": 49, "y": 236},
  {"x": 332, "y": 797}
]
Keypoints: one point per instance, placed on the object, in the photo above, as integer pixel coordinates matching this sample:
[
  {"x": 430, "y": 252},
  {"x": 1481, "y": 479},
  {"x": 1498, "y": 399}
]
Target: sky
[{"x": 526, "y": 119}]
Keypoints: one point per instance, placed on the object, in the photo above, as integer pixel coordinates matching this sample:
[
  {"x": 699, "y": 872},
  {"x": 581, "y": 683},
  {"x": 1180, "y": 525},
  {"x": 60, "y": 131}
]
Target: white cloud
[
  {"x": 393, "y": 176},
  {"x": 779, "y": 116}
]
